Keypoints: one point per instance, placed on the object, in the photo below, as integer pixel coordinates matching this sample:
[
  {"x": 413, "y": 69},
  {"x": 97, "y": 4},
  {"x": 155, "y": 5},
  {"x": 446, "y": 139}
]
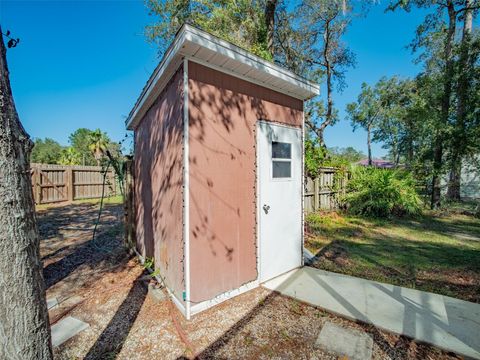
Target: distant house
[
  {"x": 379, "y": 163},
  {"x": 470, "y": 180},
  {"x": 470, "y": 183}
]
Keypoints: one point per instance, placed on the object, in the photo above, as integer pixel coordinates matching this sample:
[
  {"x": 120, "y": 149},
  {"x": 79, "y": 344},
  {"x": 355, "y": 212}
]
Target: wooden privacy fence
[
  {"x": 323, "y": 192},
  {"x": 57, "y": 183}
]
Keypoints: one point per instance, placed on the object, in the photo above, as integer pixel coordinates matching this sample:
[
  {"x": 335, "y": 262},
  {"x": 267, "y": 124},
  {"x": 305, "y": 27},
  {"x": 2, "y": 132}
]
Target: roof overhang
[{"x": 199, "y": 46}]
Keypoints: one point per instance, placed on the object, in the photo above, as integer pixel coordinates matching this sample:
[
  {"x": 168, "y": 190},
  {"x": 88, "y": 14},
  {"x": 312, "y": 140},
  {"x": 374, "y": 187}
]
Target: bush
[{"x": 381, "y": 193}]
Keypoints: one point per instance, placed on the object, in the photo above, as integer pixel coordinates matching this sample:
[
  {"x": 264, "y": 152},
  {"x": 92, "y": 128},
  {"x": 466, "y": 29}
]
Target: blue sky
[{"x": 84, "y": 63}]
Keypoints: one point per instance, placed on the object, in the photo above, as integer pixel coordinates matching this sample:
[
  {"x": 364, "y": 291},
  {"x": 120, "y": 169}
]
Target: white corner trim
[
  {"x": 204, "y": 305},
  {"x": 257, "y": 202},
  {"x": 303, "y": 184},
  {"x": 186, "y": 190},
  {"x": 174, "y": 298}
]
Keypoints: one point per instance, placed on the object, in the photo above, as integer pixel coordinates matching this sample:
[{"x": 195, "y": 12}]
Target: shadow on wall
[
  {"x": 222, "y": 188},
  {"x": 223, "y": 117},
  {"x": 158, "y": 183},
  {"x": 223, "y": 114},
  {"x": 219, "y": 120}
]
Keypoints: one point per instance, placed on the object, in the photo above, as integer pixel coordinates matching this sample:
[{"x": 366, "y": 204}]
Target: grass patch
[
  {"x": 117, "y": 199},
  {"x": 436, "y": 253},
  {"x": 112, "y": 200}
]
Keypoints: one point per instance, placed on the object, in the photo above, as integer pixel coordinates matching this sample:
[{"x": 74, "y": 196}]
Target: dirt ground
[{"x": 97, "y": 282}]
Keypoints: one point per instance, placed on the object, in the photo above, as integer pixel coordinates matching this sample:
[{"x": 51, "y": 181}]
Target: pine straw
[{"x": 125, "y": 323}]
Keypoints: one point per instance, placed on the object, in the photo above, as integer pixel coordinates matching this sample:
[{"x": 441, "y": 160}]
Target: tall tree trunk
[
  {"x": 445, "y": 111},
  {"x": 369, "y": 144},
  {"x": 410, "y": 155},
  {"x": 24, "y": 326},
  {"x": 270, "y": 7},
  {"x": 395, "y": 153},
  {"x": 454, "y": 183},
  {"x": 409, "y": 143},
  {"x": 328, "y": 70},
  {"x": 328, "y": 66}
]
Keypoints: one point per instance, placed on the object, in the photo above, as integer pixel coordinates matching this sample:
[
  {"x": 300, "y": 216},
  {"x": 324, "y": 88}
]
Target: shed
[{"x": 218, "y": 169}]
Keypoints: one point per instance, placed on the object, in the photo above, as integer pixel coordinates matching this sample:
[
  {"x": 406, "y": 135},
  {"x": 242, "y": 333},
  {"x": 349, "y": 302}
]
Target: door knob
[{"x": 266, "y": 208}]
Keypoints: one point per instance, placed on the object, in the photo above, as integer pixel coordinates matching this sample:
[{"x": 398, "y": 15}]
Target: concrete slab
[
  {"x": 71, "y": 301},
  {"x": 65, "y": 329},
  {"x": 157, "y": 294},
  {"x": 51, "y": 303},
  {"x": 448, "y": 323},
  {"x": 354, "y": 344}
]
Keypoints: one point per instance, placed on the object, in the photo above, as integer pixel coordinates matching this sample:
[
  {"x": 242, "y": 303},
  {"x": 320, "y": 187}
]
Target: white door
[{"x": 279, "y": 202}]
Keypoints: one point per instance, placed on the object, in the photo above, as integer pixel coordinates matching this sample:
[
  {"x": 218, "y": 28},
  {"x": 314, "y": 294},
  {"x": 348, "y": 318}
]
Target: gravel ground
[{"x": 98, "y": 283}]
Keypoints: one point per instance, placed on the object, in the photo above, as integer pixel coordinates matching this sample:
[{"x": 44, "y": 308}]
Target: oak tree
[{"x": 24, "y": 325}]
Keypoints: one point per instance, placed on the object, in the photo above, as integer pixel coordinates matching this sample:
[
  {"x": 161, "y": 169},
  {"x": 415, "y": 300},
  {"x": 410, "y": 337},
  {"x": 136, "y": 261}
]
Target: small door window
[{"x": 281, "y": 160}]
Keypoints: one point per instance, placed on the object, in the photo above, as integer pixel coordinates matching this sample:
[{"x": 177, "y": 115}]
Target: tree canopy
[
  {"x": 429, "y": 122},
  {"x": 47, "y": 151},
  {"x": 86, "y": 147},
  {"x": 305, "y": 38},
  {"x": 241, "y": 22}
]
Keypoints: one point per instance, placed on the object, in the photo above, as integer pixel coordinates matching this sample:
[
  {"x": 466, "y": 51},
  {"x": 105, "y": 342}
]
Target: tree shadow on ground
[
  {"x": 299, "y": 344},
  {"x": 72, "y": 217},
  {"x": 445, "y": 268},
  {"x": 96, "y": 255},
  {"x": 111, "y": 340},
  {"x": 459, "y": 227},
  {"x": 66, "y": 241}
]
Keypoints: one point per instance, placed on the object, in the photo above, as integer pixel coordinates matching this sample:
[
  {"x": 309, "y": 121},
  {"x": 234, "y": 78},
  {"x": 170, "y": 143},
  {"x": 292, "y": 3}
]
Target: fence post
[
  {"x": 33, "y": 178},
  {"x": 38, "y": 188},
  {"x": 316, "y": 194},
  {"x": 69, "y": 183}
]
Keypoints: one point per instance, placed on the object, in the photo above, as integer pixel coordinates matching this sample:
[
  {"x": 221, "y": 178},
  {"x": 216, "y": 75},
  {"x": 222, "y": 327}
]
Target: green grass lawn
[{"x": 436, "y": 253}]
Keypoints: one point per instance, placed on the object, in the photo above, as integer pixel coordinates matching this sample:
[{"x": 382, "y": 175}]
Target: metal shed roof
[{"x": 201, "y": 47}]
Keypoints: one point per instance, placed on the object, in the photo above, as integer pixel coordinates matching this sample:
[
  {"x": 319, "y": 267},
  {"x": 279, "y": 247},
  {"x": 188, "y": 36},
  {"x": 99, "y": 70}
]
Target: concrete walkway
[{"x": 448, "y": 323}]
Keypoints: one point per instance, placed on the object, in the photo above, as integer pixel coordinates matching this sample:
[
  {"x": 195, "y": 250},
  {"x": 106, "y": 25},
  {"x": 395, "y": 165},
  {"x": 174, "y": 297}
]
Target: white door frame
[{"x": 257, "y": 190}]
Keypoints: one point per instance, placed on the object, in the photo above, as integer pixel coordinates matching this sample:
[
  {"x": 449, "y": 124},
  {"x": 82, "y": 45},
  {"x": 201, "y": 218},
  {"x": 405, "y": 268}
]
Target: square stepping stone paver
[
  {"x": 156, "y": 293},
  {"x": 51, "y": 303},
  {"x": 65, "y": 329},
  {"x": 354, "y": 344}
]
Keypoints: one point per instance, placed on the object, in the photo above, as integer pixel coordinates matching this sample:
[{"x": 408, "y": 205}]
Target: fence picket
[
  {"x": 322, "y": 193},
  {"x": 59, "y": 183}
]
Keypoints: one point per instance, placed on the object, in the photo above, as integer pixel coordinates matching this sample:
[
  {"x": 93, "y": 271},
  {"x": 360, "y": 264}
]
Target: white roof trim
[{"x": 195, "y": 45}]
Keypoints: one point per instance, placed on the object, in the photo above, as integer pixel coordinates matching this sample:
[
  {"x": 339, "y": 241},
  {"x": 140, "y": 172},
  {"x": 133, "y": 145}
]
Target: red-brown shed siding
[
  {"x": 159, "y": 184},
  {"x": 223, "y": 111}
]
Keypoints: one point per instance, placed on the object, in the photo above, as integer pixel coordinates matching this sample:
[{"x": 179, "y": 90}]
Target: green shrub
[{"x": 381, "y": 193}]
